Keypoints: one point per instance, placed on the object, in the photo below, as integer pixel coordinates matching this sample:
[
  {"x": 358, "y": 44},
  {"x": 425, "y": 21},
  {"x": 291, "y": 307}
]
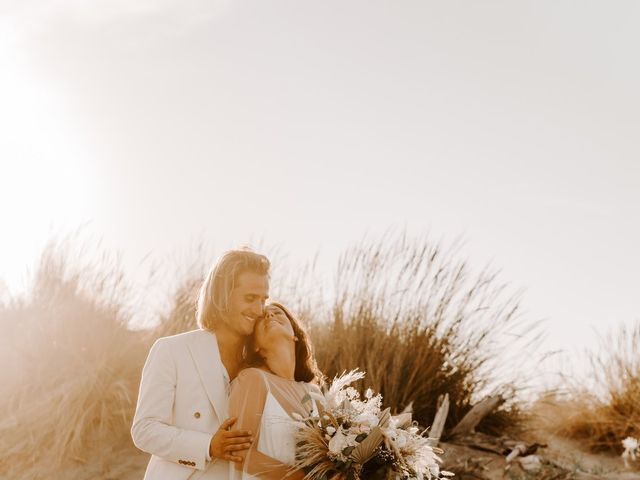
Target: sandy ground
[{"x": 560, "y": 459}]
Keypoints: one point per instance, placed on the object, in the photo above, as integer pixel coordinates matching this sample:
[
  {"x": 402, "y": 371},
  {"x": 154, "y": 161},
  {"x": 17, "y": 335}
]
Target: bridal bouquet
[{"x": 351, "y": 438}]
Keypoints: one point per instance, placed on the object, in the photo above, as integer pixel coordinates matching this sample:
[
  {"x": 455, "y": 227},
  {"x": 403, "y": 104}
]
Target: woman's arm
[{"x": 246, "y": 403}]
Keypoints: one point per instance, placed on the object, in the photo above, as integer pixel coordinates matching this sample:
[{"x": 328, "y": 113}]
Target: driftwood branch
[
  {"x": 439, "y": 420},
  {"x": 486, "y": 443},
  {"x": 473, "y": 417}
]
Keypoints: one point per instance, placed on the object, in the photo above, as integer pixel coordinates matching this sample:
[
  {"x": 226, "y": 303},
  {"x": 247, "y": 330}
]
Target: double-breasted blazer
[{"x": 182, "y": 402}]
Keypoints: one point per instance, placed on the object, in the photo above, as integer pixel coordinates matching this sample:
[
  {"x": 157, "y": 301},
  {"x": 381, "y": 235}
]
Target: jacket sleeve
[{"x": 152, "y": 430}]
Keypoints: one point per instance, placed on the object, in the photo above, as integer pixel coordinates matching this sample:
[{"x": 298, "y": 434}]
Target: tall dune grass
[
  {"x": 70, "y": 374},
  {"x": 609, "y": 410},
  {"x": 406, "y": 312},
  {"x": 421, "y": 324}
]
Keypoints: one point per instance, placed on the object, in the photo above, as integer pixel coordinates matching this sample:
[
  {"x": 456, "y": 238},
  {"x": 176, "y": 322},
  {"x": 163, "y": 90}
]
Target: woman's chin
[{"x": 277, "y": 340}]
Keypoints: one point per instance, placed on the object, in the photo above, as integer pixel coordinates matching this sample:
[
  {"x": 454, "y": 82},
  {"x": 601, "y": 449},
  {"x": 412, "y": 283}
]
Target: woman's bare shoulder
[{"x": 251, "y": 373}]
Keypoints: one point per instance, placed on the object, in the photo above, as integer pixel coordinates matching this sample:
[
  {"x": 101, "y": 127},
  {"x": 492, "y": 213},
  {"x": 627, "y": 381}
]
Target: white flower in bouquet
[
  {"x": 418, "y": 459},
  {"x": 424, "y": 463},
  {"x": 340, "y": 441},
  {"x": 337, "y": 393},
  {"x": 367, "y": 419}
]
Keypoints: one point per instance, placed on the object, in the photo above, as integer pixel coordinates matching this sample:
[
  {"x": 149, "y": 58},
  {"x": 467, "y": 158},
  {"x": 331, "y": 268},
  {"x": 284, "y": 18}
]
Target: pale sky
[{"x": 157, "y": 124}]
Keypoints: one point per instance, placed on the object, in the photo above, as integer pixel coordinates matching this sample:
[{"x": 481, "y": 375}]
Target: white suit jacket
[{"x": 182, "y": 403}]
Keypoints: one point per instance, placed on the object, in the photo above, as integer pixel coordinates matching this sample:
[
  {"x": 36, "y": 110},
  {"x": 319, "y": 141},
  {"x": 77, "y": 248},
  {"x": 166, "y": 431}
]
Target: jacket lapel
[{"x": 206, "y": 356}]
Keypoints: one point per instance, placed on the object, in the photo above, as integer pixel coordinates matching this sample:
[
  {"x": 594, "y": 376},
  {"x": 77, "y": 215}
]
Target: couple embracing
[{"x": 216, "y": 403}]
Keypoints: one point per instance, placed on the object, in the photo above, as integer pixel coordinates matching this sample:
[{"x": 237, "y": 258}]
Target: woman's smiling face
[{"x": 273, "y": 327}]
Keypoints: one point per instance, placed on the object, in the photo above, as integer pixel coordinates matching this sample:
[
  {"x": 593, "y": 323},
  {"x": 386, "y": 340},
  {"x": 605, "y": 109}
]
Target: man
[{"x": 181, "y": 416}]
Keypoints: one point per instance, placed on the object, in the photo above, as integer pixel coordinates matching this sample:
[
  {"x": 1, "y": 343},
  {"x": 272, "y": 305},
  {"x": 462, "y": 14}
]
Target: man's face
[{"x": 246, "y": 302}]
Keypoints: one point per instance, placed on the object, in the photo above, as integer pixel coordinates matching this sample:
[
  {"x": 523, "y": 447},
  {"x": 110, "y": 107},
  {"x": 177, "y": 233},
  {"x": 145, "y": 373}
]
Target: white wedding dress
[{"x": 264, "y": 403}]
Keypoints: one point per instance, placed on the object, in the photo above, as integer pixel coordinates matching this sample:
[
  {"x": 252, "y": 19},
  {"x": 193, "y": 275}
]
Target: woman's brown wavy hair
[{"x": 306, "y": 367}]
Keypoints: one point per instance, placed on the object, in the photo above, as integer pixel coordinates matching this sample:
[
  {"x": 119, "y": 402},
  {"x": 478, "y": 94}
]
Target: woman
[{"x": 280, "y": 371}]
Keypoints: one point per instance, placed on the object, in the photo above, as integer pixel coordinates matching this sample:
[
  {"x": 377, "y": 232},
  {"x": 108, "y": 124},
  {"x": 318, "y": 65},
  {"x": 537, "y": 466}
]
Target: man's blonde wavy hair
[{"x": 213, "y": 299}]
